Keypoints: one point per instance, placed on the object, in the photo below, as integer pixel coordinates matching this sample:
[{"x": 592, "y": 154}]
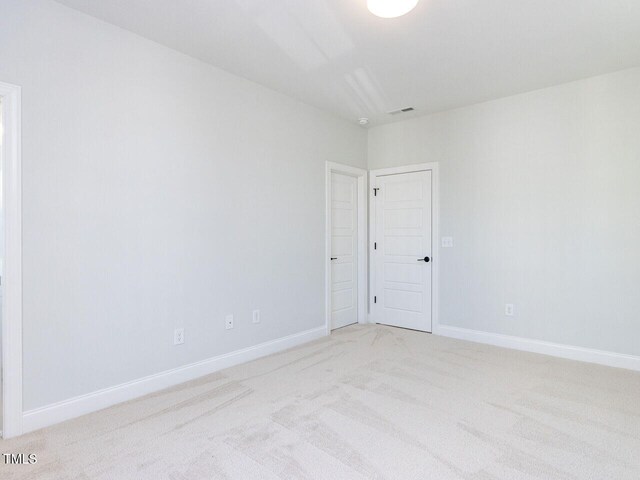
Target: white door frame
[
  {"x": 361, "y": 177},
  {"x": 12, "y": 275},
  {"x": 434, "y": 167}
]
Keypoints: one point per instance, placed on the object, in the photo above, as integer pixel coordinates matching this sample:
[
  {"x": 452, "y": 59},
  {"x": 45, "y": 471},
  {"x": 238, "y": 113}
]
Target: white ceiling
[{"x": 337, "y": 56}]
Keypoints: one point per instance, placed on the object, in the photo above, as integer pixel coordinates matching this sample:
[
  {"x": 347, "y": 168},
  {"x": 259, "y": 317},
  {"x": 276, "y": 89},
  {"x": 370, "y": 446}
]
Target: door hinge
[
  {"x": 375, "y": 299},
  {"x": 375, "y": 245},
  {"x": 375, "y": 192}
]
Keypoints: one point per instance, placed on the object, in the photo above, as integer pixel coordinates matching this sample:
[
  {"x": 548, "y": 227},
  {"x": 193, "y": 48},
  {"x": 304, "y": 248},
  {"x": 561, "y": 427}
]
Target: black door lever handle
[
  {"x": 425, "y": 259},
  {"x": 334, "y": 258}
]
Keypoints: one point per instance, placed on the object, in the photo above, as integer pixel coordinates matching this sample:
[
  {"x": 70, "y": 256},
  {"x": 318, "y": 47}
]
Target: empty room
[{"x": 320, "y": 239}]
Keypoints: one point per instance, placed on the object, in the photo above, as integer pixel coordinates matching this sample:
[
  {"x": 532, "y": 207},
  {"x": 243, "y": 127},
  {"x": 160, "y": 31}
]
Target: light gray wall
[
  {"x": 541, "y": 193},
  {"x": 159, "y": 192}
]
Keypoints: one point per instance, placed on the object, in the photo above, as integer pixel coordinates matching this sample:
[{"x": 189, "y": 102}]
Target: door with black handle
[{"x": 402, "y": 262}]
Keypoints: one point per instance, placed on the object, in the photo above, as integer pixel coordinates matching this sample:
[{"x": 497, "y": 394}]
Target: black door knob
[{"x": 425, "y": 259}]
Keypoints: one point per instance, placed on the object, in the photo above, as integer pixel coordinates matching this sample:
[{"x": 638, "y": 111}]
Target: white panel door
[
  {"x": 403, "y": 250},
  {"x": 344, "y": 250}
]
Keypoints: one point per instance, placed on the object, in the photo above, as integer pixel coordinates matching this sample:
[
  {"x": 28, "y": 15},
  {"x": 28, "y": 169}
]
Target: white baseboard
[
  {"x": 610, "y": 359},
  {"x": 107, "y": 397}
]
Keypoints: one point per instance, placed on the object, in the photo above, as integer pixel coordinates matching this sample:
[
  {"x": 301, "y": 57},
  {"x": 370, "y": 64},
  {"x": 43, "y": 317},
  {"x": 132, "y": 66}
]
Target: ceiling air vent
[{"x": 402, "y": 110}]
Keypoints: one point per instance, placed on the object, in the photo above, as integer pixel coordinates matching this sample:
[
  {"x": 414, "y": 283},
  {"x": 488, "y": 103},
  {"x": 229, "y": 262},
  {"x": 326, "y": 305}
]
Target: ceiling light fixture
[{"x": 391, "y": 8}]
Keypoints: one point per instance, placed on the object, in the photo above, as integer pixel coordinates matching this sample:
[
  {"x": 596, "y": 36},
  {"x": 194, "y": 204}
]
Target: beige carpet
[{"x": 368, "y": 402}]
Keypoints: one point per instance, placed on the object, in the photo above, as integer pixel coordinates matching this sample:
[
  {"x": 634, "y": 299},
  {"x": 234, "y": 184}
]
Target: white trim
[
  {"x": 92, "y": 402},
  {"x": 361, "y": 176},
  {"x": 372, "y": 237},
  {"x": 12, "y": 275},
  {"x": 582, "y": 354},
  {"x": 434, "y": 167}
]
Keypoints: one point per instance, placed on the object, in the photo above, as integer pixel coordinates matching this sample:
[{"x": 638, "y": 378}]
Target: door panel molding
[
  {"x": 362, "y": 257},
  {"x": 374, "y": 175},
  {"x": 344, "y": 250}
]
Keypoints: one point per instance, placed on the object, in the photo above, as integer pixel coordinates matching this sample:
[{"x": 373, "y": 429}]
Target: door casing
[
  {"x": 361, "y": 176},
  {"x": 435, "y": 234},
  {"x": 12, "y": 276}
]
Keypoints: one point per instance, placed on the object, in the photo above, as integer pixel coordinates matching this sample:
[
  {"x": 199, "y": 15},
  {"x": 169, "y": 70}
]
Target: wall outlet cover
[
  {"x": 256, "y": 316},
  {"x": 508, "y": 309},
  {"x": 178, "y": 336}
]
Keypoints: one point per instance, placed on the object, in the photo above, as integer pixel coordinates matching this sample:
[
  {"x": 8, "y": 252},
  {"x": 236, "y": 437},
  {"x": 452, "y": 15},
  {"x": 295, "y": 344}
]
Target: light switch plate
[
  {"x": 228, "y": 322},
  {"x": 447, "y": 242}
]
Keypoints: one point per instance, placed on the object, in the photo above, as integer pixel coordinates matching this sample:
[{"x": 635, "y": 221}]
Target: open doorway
[{"x": 10, "y": 262}]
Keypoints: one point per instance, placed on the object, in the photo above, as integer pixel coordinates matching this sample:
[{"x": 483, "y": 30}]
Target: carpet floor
[{"x": 368, "y": 402}]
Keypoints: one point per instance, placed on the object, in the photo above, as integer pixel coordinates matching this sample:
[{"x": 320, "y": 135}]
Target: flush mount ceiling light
[{"x": 391, "y": 8}]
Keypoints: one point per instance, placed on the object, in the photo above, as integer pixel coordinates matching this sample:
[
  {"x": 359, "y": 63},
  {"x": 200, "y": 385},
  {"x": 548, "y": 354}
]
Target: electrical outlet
[
  {"x": 178, "y": 336},
  {"x": 508, "y": 309},
  {"x": 256, "y": 316},
  {"x": 447, "y": 242},
  {"x": 228, "y": 322}
]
